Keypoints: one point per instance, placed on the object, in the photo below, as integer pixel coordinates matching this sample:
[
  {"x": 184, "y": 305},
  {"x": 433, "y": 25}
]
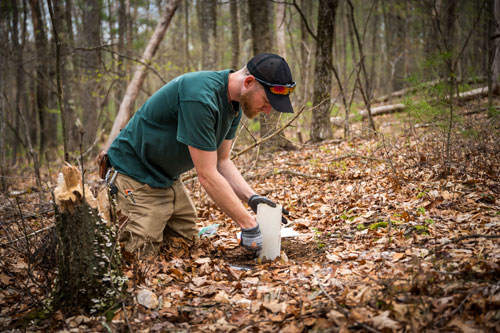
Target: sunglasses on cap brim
[{"x": 279, "y": 89}]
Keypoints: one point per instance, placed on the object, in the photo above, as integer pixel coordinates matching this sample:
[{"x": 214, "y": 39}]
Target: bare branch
[
  {"x": 139, "y": 61},
  {"x": 274, "y": 133}
]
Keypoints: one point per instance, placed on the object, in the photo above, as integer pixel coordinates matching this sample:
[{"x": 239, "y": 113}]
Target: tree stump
[{"x": 89, "y": 275}]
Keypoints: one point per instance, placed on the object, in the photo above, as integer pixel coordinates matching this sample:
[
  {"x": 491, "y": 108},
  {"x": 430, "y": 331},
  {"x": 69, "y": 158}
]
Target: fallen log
[
  {"x": 383, "y": 109},
  {"x": 393, "y": 108},
  {"x": 474, "y": 93},
  {"x": 404, "y": 91}
]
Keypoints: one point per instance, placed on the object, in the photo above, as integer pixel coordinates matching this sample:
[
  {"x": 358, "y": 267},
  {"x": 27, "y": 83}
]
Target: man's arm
[
  {"x": 219, "y": 188},
  {"x": 229, "y": 171},
  {"x": 239, "y": 185}
]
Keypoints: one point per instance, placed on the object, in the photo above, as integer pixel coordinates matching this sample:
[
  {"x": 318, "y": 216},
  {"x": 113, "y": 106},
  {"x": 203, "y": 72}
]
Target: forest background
[
  {"x": 72, "y": 72},
  {"x": 367, "y": 49}
]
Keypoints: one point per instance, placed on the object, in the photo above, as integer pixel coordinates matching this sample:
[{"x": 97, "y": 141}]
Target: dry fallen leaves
[{"x": 384, "y": 248}]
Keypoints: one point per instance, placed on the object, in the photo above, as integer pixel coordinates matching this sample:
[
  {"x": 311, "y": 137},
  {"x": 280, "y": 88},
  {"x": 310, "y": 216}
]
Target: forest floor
[{"x": 388, "y": 242}]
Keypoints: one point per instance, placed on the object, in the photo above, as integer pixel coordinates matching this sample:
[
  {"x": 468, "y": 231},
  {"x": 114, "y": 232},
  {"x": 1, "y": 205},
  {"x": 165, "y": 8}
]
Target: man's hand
[
  {"x": 256, "y": 199},
  {"x": 251, "y": 239}
]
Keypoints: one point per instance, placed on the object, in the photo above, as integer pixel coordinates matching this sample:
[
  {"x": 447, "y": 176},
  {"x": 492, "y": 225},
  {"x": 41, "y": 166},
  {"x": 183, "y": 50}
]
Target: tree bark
[
  {"x": 18, "y": 59},
  {"x": 68, "y": 17},
  {"x": 187, "y": 63},
  {"x": 89, "y": 275},
  {"x": 495, "y": 70},
  {"x": 126, "y": 107},
  {"x": 20, "y": 89},
  {"x": 89, "y": 99},
  {"x": 262, "y": 38},
  {"x": 207, "y": 22},
  {"x": 47, "y": 139},
  {"x": 235, "y": 35},
  {"x": 374, "y": 44},
  {"x": 54, "y": 17},
  {"x": 280, "y": 29},
  {"x": 306, "y": 52},
  {"x": 71, "y": 138},
  {"x": 4, "y": 170},
  {"x": 246, "y": 30},
  {"x": 395, "y": 38},
  {"x": 122, "y": 50},
  {"x": 363, "y": 80},
  {"x": 321, "y": 128}
]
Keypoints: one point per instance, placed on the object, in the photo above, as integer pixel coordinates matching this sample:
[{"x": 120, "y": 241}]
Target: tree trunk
[
  {"x": 258, "y": 11},
  {"x": 18, "y": 59},
  {"x": 280, "y": 25},
  {"x": 89, "y": 275},
  {"x": 207, "y": 22},
  {"x": 262, "y": 37},
  {"x": 364, "y": 83},
  {"x": 396, "y": 43},
  {"x": 9, "y": 144},
  {"x": 42, "y": 95},
  {"x": 235, "y": 36},
  {"x": 91, "y": 38},
  {"x": 128, "y": 34},
  {"x": 4, "y": 170},
  {"x": 345, "y": 26},
  {"x": 430, "y": 33},
  {"x": 246, "y": 31},
  {"x": 187, "y": 54},
  {"x": 374, "y": 44},
  {"x": 122, "y": 50},
  {"x": 495, "y": 70},
  {"x": 321, "y": 128},
  {"x": 126, "y": 107},
  {"x": 306, "y": 51},
  {"x": 68, "y": 114},
  {"x": 56, "y": 19}
]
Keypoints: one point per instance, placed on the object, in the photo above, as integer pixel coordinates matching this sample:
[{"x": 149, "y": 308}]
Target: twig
[
  {"x": 126, "y": 317},
  {"x": 446, "y": 317},
  {"x": 304, "y": 19},
  {"x": 293, "y": 173},
  {"x": 341, "y": 309},
  {"x": 241, "y": 152},
  {"x": 139, "y": 61},
  {"x": 458, "y": 239},
  {"x": 244, "y": 327},
  {"x": 337, "y": 305},
  {"x": 278, "y": 131},
  {"x": 343, "y": 157},
  {"x": 29, "y": 235}
]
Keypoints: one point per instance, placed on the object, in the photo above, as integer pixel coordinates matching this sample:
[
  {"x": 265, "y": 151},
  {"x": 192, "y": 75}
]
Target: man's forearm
[
  {"x": 221, "y": 192},
  {"x": 239, "y": 185}
]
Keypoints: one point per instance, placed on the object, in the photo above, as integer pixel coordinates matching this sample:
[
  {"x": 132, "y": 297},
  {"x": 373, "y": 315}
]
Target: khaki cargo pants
[{"x": 153, "y": 213}]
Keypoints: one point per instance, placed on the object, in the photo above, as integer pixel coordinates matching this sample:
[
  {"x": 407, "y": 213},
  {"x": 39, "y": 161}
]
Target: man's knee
[
  {"x": 184, "y": 229},
  {"x": 133, "y": 242}
]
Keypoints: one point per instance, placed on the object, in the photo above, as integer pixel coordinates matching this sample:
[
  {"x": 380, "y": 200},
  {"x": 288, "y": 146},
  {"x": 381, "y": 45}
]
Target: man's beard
[{"x": 245, "y": 103}]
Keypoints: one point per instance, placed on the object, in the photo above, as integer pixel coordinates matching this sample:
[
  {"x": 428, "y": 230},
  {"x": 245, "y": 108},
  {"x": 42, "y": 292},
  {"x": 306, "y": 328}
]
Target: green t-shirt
[{"x": 191, "y": 110}]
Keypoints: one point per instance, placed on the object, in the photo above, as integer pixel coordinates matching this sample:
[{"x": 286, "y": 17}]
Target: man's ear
[{"x": 249, "y": 81}]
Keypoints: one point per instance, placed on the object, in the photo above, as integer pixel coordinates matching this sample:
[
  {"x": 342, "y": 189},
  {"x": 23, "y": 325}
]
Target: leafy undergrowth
[{"x": 387, "y": 244}]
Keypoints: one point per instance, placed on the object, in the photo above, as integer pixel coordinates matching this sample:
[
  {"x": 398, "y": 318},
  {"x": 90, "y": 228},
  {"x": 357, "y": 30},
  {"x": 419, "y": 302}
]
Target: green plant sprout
[{"x": 375, "y": 226}]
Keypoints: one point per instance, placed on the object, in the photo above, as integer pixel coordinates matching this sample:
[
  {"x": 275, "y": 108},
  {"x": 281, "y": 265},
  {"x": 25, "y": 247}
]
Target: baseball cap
[{"x": 273, "y": 73}]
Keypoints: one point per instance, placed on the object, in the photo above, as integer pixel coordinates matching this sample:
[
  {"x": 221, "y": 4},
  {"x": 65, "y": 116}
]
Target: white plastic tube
[{"x": 269, "y": 220}]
